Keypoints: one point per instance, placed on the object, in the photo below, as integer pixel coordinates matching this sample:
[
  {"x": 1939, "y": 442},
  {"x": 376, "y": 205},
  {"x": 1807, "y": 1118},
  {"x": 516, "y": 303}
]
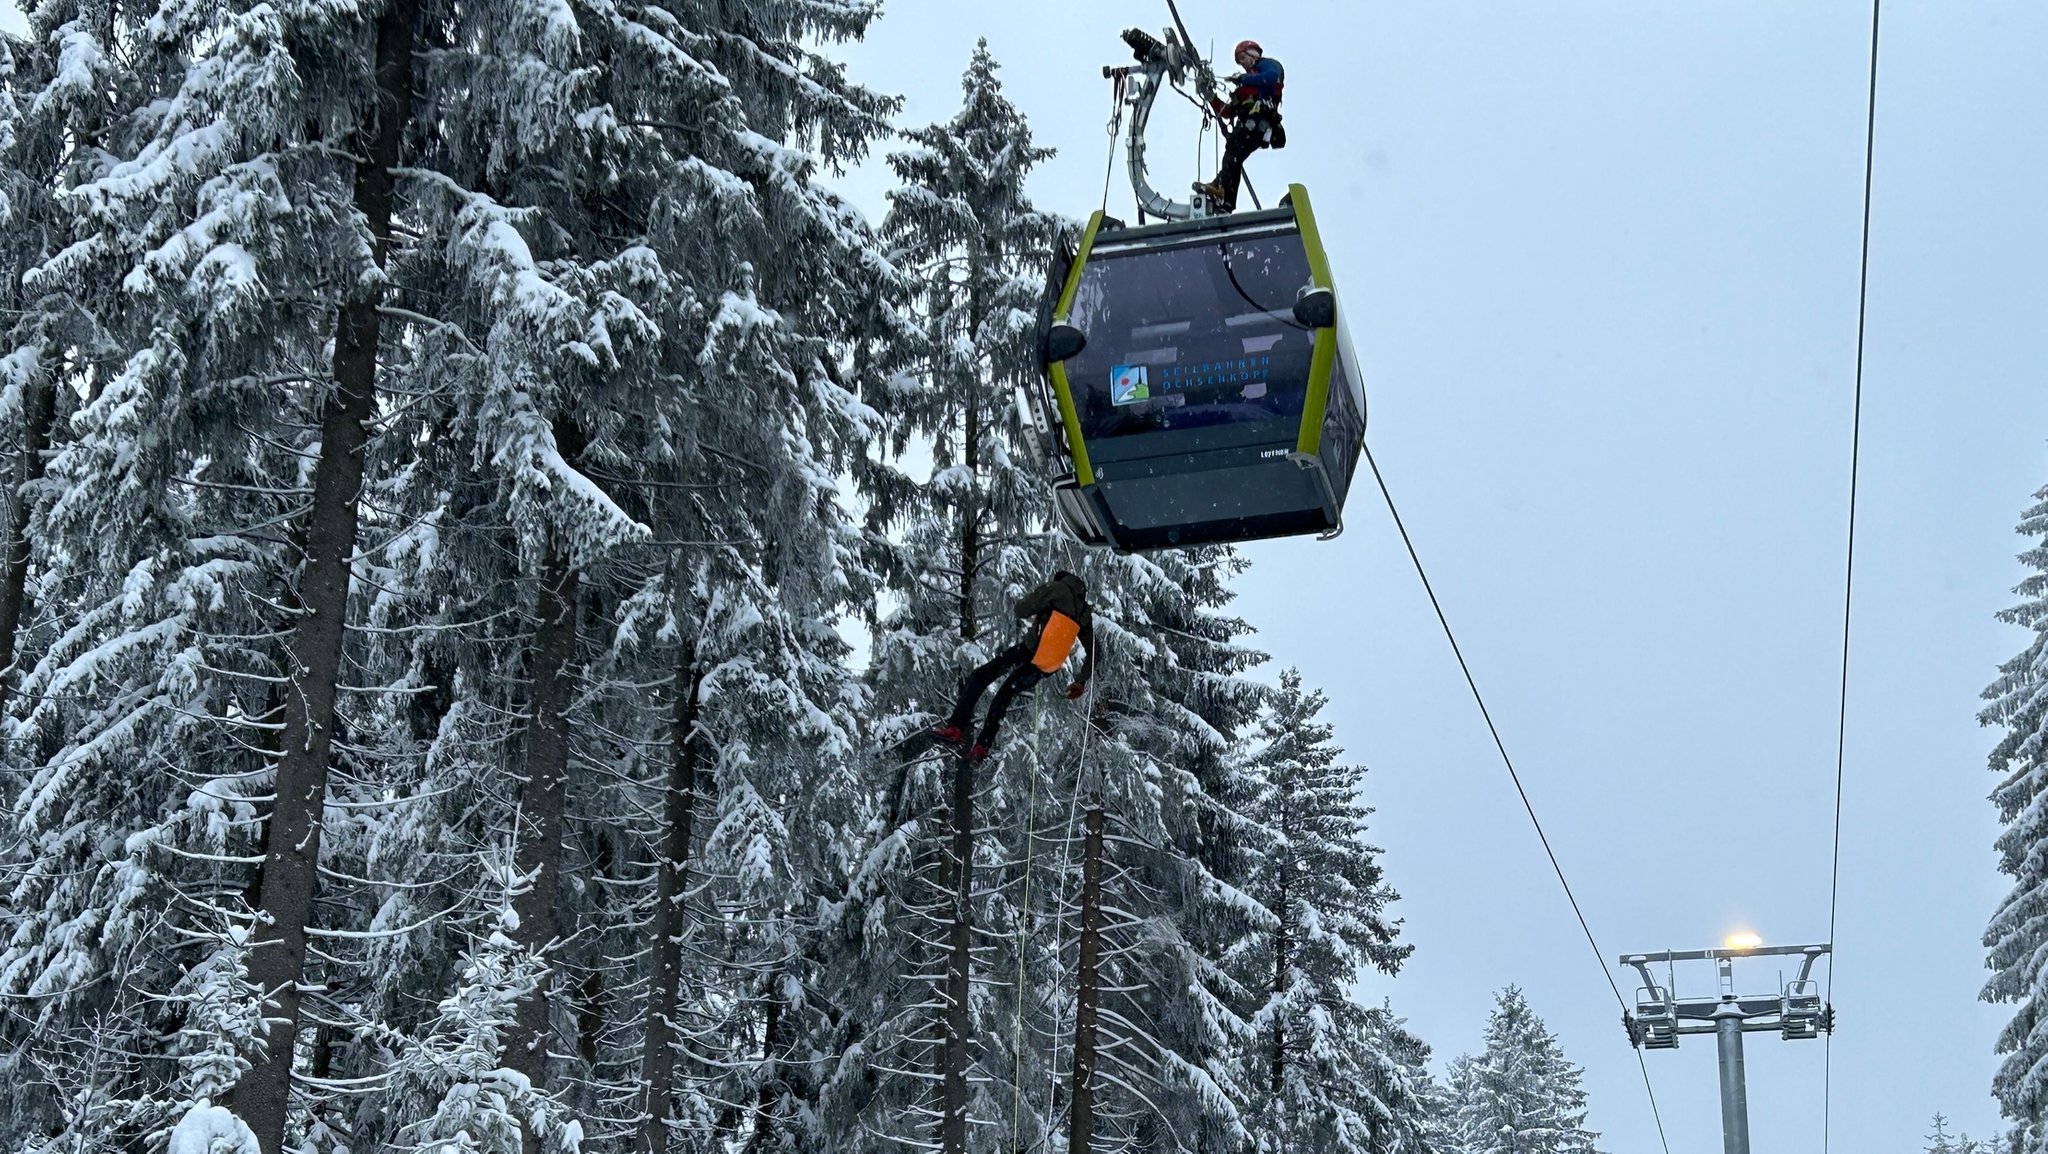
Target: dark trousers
[
  {"x": 1251, "y": 134},
  {"x": 1023, "y": 678}
]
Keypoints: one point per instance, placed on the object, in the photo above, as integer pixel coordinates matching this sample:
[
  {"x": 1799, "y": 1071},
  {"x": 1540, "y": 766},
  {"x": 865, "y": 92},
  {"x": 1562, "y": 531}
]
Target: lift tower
[{"x": 1796, "y": 1012}]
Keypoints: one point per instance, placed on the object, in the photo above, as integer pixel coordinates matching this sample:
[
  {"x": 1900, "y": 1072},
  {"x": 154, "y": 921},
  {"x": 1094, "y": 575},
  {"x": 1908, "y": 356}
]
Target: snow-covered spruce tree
[
  {"x": 1438, "y": 1099},
  {"x": 458, "y": 1094},
  {"x": 1404, "y": 1097},
  {"x": 1316, "y": 1069},
  {"x": 674, "y": 296},
  {"x": 1172, "y": 701},
  {"x": 1940, "y": 1141},
  {"x": 541, "y": 230},
  {"x": 1446, "y": 1131},
  {"x": 36, "y": 161},
  {"x": 197, "y": 234},
  {"x": 2015, "y": 938},
  {"x": 744, "y": 426},
  {"x": 1520, "y": 1095},
  {"x": 328, "y": 539},
  {"x": 930, "y": 1053}
]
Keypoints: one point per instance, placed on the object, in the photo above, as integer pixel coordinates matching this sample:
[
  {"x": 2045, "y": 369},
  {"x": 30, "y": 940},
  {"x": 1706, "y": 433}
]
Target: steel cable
[
  {"x": 1472, "y": 683},
  {"x": 1849, "y": 567}
]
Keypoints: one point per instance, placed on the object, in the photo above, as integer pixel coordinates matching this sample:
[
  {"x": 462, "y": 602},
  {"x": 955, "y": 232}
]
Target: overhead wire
[
  {"x": 1849, "y": 567},
  {"x": 1472, "y": 683}
]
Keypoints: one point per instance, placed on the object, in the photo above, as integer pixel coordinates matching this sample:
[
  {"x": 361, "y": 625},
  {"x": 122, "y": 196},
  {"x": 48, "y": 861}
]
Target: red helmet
[{"x": 1242, "y": 45}]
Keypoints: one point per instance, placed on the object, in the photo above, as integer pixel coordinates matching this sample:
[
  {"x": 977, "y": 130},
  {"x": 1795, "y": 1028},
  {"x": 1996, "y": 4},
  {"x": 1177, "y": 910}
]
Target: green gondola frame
[{"x": 1221, "y": 454}]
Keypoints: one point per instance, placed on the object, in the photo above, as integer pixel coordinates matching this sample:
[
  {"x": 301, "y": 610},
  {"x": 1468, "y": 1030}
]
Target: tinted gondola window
[{"x": 1191, "y": 336}]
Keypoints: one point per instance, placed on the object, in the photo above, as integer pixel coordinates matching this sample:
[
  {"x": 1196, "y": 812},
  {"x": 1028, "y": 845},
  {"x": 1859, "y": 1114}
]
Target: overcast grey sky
[{"x": 1600, "y": 263}]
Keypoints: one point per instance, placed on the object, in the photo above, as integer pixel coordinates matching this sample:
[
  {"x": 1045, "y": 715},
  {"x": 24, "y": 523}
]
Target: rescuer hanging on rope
[
  {"x": 1253, "y": 116},
  {"x": 1058, "y": 616}
]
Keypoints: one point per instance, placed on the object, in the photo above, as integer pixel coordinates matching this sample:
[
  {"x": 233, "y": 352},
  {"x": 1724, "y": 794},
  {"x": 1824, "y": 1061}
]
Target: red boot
[
  {"x": 947, "y": 734},
  {"x": 977, "y": 753}
]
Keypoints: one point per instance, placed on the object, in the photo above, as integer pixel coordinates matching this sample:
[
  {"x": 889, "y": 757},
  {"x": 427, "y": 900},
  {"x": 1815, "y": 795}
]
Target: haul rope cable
[
  {"x": 1849, "y": 571},
  {"x": 1471, "y": 683}
]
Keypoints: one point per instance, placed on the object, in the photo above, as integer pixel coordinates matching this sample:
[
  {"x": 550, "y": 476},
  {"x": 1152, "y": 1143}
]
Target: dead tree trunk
[
  {"x": 541, "y": 803},
  {"x": 769, "y": 1092},
  {"x": 38, "y": 411},
  {"x": 1088, "y": 988},
  {"x": 954, "y": 1056},
  {"x": 292, "y": 852},
  {"x": 959, "y": 1018},
  {"x": 672, "y": 877},
  {"x": 1284, "y": 933},
  {"x": 590, "y": 1003}
]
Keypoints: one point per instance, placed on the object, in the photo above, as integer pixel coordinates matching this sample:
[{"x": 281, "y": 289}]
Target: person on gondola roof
[
  {"x": 1253, "y": 116},
  {"x": 1058, "y": 616}
]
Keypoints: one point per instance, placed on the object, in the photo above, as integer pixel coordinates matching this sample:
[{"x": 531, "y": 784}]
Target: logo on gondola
[{"x": 1128, "y": 384}]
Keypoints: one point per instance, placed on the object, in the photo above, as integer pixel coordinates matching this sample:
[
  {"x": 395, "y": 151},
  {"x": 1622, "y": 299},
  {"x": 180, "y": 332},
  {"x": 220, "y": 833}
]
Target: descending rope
[
  {"x": 1849, "y": 569},
  {"x": 1599, "y": 958}
]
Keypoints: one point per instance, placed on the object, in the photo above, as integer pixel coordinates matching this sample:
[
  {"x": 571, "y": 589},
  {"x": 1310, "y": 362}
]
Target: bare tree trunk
[
  {"x": 970, "y": 455},
  {"x": 763, "y": 1138},
  {"x": 590, "y": 1004},
  {"x": 672, "y": 877},
  {"x": 1283, "y": 951},
  {"x": 954, "y": 1057},
  {"x": 1088, "y": 987},
  {"x": 959, "y": 1018},
  {"x": 1283, "y": 935},
  {"x": 292, "y": 852},
  {"x": 38, "y": 412},
  {"x": 541, "y": 803}
]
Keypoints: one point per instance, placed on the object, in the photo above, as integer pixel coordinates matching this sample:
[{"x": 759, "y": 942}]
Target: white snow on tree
[
  {"x": 1940, "y": 1141},
  {"x": 1328, "y": 1075},
  {"x": 956, "y": 545},
  {"x": 2016, "y": 937},
  {"x": 1519, "y": 1095},
  {"x": 439, "y": 444}
]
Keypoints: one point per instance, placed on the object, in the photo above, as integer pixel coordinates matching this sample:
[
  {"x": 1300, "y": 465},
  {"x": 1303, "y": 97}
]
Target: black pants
[
  {"x": 1251, "y": 134},
  {"x": 1023, "y": 678}
]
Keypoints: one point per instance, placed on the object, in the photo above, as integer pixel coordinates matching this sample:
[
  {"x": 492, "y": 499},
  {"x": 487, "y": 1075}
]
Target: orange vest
[{"x": 1056, "y": 642}]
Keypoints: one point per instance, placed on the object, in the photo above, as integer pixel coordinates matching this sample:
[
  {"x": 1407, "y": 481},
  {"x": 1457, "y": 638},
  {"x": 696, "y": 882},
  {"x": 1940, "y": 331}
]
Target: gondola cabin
[{"x": 1204, "y": 385}]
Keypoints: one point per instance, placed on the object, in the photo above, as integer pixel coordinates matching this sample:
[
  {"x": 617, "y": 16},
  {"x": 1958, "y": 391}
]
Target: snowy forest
[{"x": 478, "y": 535}]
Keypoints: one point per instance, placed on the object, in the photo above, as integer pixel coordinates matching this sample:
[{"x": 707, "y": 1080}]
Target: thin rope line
[
  {"x": 1059, "y": 925},
  {"x": 1599, "y": 958},
  {"x": 1849, "y": 568}
]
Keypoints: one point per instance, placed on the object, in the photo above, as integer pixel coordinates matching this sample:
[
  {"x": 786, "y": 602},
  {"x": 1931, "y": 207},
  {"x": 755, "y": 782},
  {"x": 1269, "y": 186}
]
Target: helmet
[{"x": 1244, "y": 44}]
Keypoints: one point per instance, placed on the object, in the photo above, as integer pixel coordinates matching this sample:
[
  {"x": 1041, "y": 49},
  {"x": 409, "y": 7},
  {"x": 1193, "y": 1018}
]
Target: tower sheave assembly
[{"x": 1199, "y": 383}]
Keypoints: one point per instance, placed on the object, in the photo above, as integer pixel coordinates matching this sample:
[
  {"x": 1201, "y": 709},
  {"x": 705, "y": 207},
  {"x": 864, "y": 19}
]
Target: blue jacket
[{"x": 1263, "y": 82}]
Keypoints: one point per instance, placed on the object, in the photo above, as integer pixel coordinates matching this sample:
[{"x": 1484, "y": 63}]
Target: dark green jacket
[{"x": 1068, "y": 597}]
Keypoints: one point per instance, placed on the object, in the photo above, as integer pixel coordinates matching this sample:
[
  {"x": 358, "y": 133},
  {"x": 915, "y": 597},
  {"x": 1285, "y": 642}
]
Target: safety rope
[
  {"x": 1849, "y": 571},
  {"x": 1066, "y": 875}
]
